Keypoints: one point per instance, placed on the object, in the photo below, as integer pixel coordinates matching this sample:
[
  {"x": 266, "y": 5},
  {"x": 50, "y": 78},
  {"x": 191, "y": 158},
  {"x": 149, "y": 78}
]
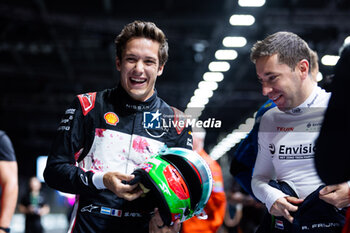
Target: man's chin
[
  {"x": 138, "y": 95},
  {"x": 282, "y": 108}
]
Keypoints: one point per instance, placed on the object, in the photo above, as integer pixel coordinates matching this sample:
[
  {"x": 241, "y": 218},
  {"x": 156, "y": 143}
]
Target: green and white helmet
[{"x": 180, "y": 181}]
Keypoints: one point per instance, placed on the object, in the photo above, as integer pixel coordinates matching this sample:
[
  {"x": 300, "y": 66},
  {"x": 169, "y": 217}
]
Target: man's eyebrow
[
  {"x": 268, "y": 73},
  {"x": 152, "y": 58},
  {"x": 130, "y": 54}
]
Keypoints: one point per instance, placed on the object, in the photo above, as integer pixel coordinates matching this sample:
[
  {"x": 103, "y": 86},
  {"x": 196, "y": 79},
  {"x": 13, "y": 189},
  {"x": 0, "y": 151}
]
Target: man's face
[
  {"x": 279, "y": 82},
  {"x": 140, "y": 67}
]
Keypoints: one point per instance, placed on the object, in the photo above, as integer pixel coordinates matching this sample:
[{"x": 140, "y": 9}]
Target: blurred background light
[
  {"x": 242, "y": 20},
  {"x": 234, "y": 41}
]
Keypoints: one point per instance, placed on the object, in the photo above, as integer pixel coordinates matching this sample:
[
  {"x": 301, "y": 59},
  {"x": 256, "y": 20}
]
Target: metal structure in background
[{"x": 52, "y": 50}]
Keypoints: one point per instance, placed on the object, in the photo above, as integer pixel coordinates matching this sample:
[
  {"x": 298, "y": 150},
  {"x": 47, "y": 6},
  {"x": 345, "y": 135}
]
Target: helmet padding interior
[
  {"x": 190, "y": 176},
  {"x": 158, "y": 199}
]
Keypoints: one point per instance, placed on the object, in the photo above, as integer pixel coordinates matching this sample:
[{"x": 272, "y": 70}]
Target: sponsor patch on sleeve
[
  {"x": 87, "y": 102},
  {"x": 179, "y": 117}
]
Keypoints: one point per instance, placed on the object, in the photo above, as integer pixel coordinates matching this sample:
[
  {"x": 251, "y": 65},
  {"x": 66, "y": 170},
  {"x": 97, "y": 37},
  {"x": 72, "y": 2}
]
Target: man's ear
[
  {"x": 118, "y": 64},
  {"x": 303, "y": 67},
  {"x": 160, "y": 70}
]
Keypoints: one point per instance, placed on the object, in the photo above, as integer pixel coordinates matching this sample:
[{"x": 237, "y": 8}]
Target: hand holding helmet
[
  {"x": 180, "y": 183},
  {"x": 157, "y": 225},
  {"x": 113, "y": 182}
]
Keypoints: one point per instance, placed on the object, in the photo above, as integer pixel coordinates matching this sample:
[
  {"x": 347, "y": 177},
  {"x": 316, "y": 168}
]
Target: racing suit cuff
[
  {"x": 272, "y": 198},
  {"x": 97, "y": 180}
]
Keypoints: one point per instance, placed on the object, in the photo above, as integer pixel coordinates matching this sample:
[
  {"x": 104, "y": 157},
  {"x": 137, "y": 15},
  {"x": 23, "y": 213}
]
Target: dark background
[{"x": 53, "y": 50}]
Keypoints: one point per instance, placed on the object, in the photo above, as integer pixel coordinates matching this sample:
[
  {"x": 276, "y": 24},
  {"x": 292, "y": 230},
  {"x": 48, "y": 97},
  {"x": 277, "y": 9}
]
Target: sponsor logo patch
[
  {"x": 297, "y": 110},
  {"x": 111, "y": 118},
  {"x": 151, "y": 120},
  {"x": 313, "y": 126},
  {"x": 279, "y": 224},
  {"x": 178, "y": 116},
  {"x": 272, "y": 148},
  {"x": 284, "y": 129},
  {"x": 84, "y": 179},
  {"x": 88, "y": 208},
  {"x": 189, "y": 142},
  {"x": 147, "y": 167},
  {"x": 116, "y": 213},
  {"x": 105, "y": 210},
  {"x": 87, "y": 102}
]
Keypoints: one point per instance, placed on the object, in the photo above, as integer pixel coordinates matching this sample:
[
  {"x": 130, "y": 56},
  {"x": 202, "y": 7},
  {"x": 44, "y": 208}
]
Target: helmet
[{"x": 179, "y": 181}]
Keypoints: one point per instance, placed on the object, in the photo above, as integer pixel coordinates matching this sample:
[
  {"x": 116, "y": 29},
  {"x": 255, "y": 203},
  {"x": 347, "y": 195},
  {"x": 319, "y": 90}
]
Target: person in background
[
  {"x": 8, "y": 182},
  {"x": 215, "y": 208},
  {"x": 242, "y": 163},
  {"x": 332, "y": 153},
  {"x": 233, "y": 215},
  {"x": 34, "y": 205},
  {"x": 104, "y": 136},
  {"x": 284, "y": 176},
  {"x": 243, "y": 212}
]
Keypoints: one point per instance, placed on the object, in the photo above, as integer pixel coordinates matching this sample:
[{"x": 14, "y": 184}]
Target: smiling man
[
  {"x": 140, "y": 66},
  {"x": 105, "y": 135},
  {"x": 284, "y": 176}
]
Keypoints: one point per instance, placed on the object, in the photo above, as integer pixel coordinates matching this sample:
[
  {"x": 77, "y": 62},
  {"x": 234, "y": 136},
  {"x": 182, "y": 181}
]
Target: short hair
[
  {"x": 289, "y": 47},
  {"x": 139, "y": 29},
  {"x": 314, "y": 68}
]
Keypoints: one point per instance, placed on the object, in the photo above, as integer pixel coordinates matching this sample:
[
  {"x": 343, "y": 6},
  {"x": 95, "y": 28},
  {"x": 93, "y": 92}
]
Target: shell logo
[{"x": 111, "y": 118}]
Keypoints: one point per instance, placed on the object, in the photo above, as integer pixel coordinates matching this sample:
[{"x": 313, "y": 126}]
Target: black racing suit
[{"x": 110, "y": 131}]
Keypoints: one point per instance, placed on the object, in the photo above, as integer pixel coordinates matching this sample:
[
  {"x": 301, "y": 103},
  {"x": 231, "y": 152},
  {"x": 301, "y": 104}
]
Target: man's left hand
[
  {"x": 337, "y": 195},
  {"x": 156, "y": 225}
]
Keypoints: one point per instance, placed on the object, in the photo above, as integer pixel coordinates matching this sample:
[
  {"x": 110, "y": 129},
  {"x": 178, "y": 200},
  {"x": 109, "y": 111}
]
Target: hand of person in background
[
  {"x": 284, "y": 205},
  {"x": 113, "y": 182},
  {"x": 337, "y": 195},
  {"x": 156, "y": 225}
]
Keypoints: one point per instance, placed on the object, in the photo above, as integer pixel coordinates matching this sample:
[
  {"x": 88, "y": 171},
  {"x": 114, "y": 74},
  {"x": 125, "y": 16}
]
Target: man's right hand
[
  {"x": 284, "y": 205},
  {"x": 337, "y": 195},
  {"x": 156, "y": 225},
  {"x": 113, "y": 182}
]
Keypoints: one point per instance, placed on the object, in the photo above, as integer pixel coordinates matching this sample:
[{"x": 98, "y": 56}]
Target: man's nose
[
  {"x": 266, "y": 89},
  {"x": 139, "y": 67}
]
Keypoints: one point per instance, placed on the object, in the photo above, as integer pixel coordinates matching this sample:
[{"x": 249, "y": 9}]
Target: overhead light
[
  {"x": 233, "y": 138},
  {"x": 227, "y": 143},
  {"x": 203, "y": 93},
  {"x": 234, "y": 41},
  {"x": 207, "y": 85},
  {"x": 319, "y": 76},
  {"x": 245, "y": 128},
  {"x": 250, "y": 122},
  {"x": 201, "y": 100},
  {"x": 199, "y": 47},
  {"x": 227, "y": 54},
  {"x": 219, "y": 66},
  {"x": 329, "y": 60},
  {"x": 347, "y": 40},
  {"x": 242, "y": 20},
  {"x": 195, "y": 105},
  {"x": 213, "y": 76},
  {"x": 251, "y": 3},
  {"x": 194, "y": 111}
]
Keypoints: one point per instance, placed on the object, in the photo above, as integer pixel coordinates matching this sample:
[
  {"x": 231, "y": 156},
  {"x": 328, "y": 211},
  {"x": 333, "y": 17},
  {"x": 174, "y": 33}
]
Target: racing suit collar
[
  {"x": 307, "y": 104},
  {"x": 130, "y": 104}
]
